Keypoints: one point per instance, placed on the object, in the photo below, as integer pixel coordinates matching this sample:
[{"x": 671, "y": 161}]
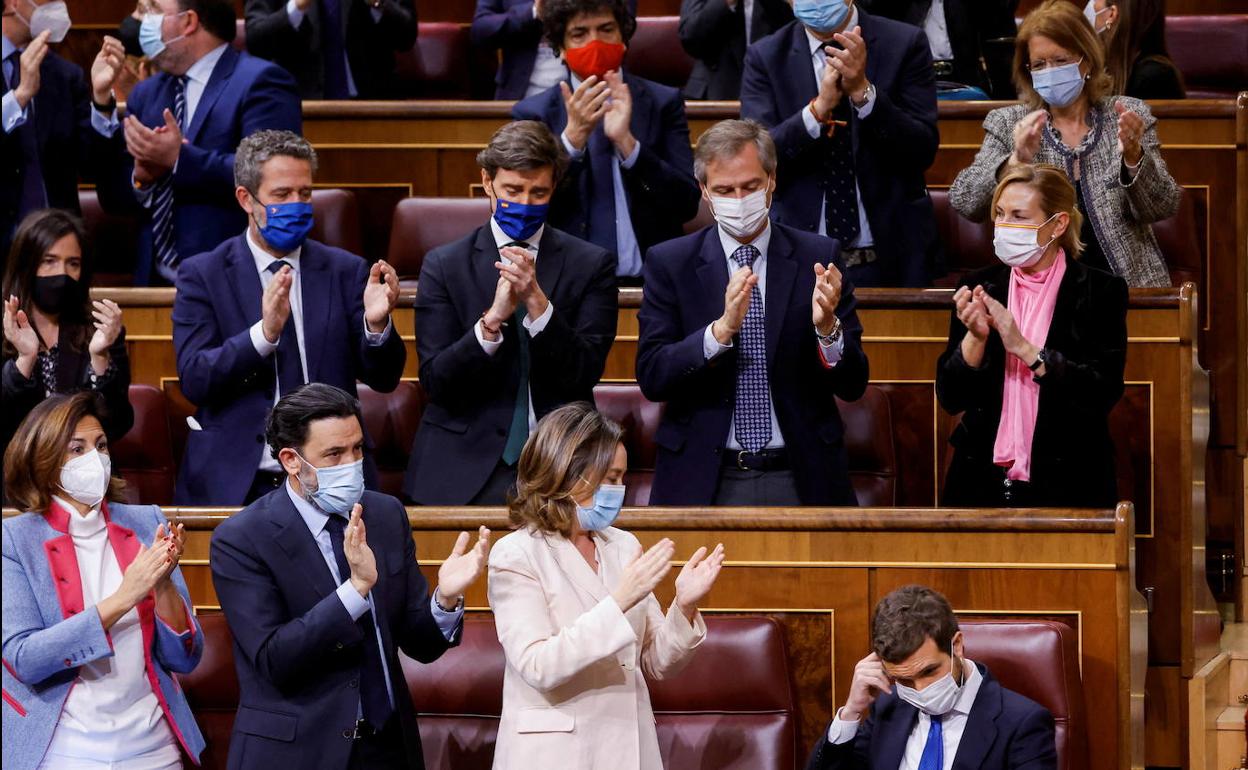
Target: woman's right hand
[
  {"x": 21, "y": 335},
  {"x": 1027, "y": 134},
  {"x": 972, "y": 312},
  {"x": 641, "y": 577},
  {"x": 150, "y": 566}
]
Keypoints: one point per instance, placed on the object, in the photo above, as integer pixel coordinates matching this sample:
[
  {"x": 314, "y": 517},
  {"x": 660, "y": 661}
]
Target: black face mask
[
  {"x": 128, "y": 33},
  {"x": 58, "y": 295}
]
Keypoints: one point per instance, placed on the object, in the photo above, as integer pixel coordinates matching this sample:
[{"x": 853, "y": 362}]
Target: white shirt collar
[
  {"x": 731, "y": 244},
  {"x": 201, "y": 70},
  {"x": 82, "y": 525},
  {"x": 313, "y": 517},
  {"x": 970, "y": 688},
  {"x": 817, "y": 45},
  {"x": 264, "y": 259},
  {"x": 501, "y": 238}
]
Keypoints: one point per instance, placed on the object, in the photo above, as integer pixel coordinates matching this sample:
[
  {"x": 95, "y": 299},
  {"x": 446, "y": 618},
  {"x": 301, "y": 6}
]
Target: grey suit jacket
[{"x": 1121, "y": 209}]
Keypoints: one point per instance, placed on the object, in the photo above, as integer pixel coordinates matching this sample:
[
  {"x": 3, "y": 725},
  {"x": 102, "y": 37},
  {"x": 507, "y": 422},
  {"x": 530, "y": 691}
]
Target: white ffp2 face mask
[
  {"x": 741, "y": 217},
  {"x": 85, "y": 478},
  {"x": 1017, "y": 244},
  {"x": 52, "y": 17}
]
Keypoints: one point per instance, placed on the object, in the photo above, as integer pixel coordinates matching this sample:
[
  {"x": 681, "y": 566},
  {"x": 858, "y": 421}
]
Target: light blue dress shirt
[
  {"x": 12, "y": 114},
  {"x": 356, "y": 605}
]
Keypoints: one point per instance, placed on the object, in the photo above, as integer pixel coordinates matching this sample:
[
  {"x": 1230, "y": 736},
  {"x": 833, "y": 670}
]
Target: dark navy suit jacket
[
  {"x": 662, "y": 193},
  {"x": 472, "y": 395},
  {"x": 893, "y": 145},
  {"x": 296, "y": 649},
  {"x": 217, "y": 302},
  {"x": 244, "y": 95},
  {"x": 685, "y": 281},
  {"x": 1004, "y": 731}
]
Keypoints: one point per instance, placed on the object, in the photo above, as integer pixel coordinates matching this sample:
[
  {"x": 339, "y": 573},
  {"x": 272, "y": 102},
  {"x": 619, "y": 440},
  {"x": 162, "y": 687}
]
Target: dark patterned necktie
[
  {"x": 752, "y": 418},
  {"x": 289, "y": 362},
  {"x": 164, "y": 239},
  {"x": 518, "y": 433},
  {"x": 841, "y": 190}
]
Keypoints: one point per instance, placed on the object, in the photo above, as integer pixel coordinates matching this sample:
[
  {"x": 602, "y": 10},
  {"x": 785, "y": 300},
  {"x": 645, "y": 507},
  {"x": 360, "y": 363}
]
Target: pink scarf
[{"x": 1031, "y": 300}]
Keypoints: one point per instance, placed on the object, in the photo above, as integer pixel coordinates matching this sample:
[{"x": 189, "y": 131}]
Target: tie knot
[
  {"x": 936, "y": 719},
  {"x": 746, "y": 255},
  {"x": 336, "y": 524},
  {"x": 519, "y": 244},
  {"x": 276, "y": 265}
]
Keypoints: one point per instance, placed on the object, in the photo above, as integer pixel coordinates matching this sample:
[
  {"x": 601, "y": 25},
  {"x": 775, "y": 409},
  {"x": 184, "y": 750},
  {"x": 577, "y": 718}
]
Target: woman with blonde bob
[
  {"x": 1106, "y": 145},
  {"x": 1037, "y": 346},
  {"x": 572, "y": 601},
  {"x": 96, "y": 613}
]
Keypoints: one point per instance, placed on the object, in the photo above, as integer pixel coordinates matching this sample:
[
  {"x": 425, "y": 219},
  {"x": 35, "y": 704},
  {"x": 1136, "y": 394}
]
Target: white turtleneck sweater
[{"x": 111, "y": 717}]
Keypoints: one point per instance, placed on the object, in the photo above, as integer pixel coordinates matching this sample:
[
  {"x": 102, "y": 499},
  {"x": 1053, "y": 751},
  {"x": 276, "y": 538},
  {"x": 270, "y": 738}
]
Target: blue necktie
[
  {"x": 374, "y": 697},
  {"x": 289, "y": 362},
  {"x": 601, "y": 203},
  {"x": 934, "y": 750},
  {"x": 518, "y": 433},
  {"x": 752, "y": 417},
  {"x": 334, "y": 50},
  {"x": 32, "y": 196},
  {"x": 164, "y": 239}
]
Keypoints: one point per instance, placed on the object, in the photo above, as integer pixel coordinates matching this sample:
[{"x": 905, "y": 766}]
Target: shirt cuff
[
  {"x": 352, "y": 602},
  {"x": 536, "y": 326},
  {"x": 377, "y": 338},
  {"x": 573, "y": 153},
  {"x": 812, "y": 126},
  {"x": 142, "y": 194},
  {"x": 13, "y": 114},
  {"x": 489, "y": 347},
  {"x": 865, "y": 109},
  {"x": 832, "y": 353},
  {"x": 841, "y": 731},
  {"x": 710, "y": 346},
  {"x": 294, "y": 14},
  {"x": 105, "y": 125},
  {"x": 448, "y": 622},
  {"x": 260, "y": 342},
  {"x": 628, "y": 162}
]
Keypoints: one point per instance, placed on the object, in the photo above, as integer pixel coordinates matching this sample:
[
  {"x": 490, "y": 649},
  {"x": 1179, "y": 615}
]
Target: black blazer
[
  {"x": 1154, "y": 77},
  {"x": 472, "y": 395},
  {"x": 1004, "y": 731},
  {"x": 714, "y": 35},
  {"x": 892, "y": 146},
  {"x": 1072, "y": 454},
  {"x": 371, "y": 45},
  {"x": 685, "y": 282}
]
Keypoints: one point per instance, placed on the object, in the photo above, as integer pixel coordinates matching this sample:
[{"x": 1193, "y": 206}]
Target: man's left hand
[
  {"x": 156, "y": 149},
  {"x": 522, "y": 275},
  {"x": 380, "y": 295},
  {"x": 462, "y": 568},
  {"x": 826, "y": 297},
  {"x": 851, "y": 62},
  {"x": 616, "y": 123}
]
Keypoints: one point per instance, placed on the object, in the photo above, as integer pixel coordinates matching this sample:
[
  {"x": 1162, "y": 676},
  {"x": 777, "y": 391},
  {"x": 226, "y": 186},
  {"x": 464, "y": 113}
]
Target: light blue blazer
[{"x": 48, "y": 633}]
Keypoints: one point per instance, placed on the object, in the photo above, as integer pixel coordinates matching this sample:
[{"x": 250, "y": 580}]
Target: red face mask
[{"x": 595, "y": 58}]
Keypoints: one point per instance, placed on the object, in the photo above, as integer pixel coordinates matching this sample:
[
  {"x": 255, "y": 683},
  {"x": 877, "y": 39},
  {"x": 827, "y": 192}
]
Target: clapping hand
[
  {"x": 106, "y": 68},
  {"x": 521, "y": 275},
  {"x": 619, "y": 114},
  {"x": 462, "y": 568},
  {"x": 641, "y": 577},
  {"x": 736, "y": 304},
  {"x": 28, "y": 64},
  {"x": 275, "y": 304},
  {"x": 21, "y": 335},
  {"x": 359, "y": 555},
  {"x": 1001, "y": 319},
  {"x": 585, "y": 107},
  {"x": 381, "y": 293},
  {"x": 969, "y": 305},
  {"x": 850, "y": 61},
  {"x": 1027, "y": 134},
  {"x": 1130, "y": 130},
  {"x": 155, "y": 150},
  {"x": 107, "y": 316},
  {"x": 696, "y": 578},
  {"x": 825, "y": 298}
]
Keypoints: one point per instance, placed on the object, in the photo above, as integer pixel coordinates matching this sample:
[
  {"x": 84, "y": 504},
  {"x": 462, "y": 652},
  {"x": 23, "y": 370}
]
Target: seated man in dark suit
[
  {"x": 851, "y": 102},
  {"x": 919, "y": 702},
  {"x": 528, "y": 65},
  {"x": 336, "y": 49},
  {"x": 747, "y": 331},
  {"x": 512, "y": 321},
  {"x": 174, "y": 157},
  {"x": 630, "y": 184},
  {"x": 716, "y": 34},
  {"x": 266, "y": 312},
  {"x": 319, "y": 583}
]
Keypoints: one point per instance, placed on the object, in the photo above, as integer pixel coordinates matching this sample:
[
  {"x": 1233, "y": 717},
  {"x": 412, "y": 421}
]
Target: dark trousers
[
  {"x": 382, "y": 750},
  {"x": 501, "y": 481},
  {"x": 756, "y": 488}
]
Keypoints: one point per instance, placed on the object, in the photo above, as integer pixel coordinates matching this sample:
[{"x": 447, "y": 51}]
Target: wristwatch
[
  {"x": 1041, "y": 357},
  {"x": 459, "y": 605},
  {"x": 867, "y": 94},
  {"x": 829, "y": 339}
]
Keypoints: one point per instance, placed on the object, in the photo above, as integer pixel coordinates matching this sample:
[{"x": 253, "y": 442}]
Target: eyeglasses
[{"x": 1040, "y": 65}]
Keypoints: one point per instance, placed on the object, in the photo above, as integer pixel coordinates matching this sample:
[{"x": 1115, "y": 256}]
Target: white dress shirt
[
  {"x": 296, "y": 18},
  {"x": 818, "y": 62},
  {"x": 937, "y": 29},
  {"x": 111, "y": 717},
  {"x": 265, "y": 348},
  {"x": 952, "y": 725},
  {"x": 533, "y": 325},
  {"x": 548, "y": 69},
  {"x": 711, "y": 347}
]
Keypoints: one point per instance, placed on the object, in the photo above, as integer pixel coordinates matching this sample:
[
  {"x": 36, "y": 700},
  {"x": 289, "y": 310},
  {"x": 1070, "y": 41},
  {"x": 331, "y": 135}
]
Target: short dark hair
[
  {"x": 35, "y": 235},
  {"x": 292, "y": 415},
  {"x": 557, "y": 13},
  {"x": 217, "y": 16},
  {"x": 904, "y": 620},
  {"x": 523, "y": 145}
]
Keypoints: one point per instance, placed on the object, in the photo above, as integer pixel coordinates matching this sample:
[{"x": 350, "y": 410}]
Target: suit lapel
[
  {"x": 550, "y": 259},
  {"x": 293, "y": 537},
  {"x": 803, "y": 69},
  {"x": 245, "y": 280},
  {"x": 212, "y": 91},
  {"x": 316, "y": 283},
  {"x": 981, "y": 726},
  {"x": 481, "y": 268},
  {"x": 781, "y": 274},
  {"x": 712, "y": 272},
  {"x": 643, "y": 127},
  {"x": 893, "y": 732},
  {"x": 1068, "y": 294},
  {"x": 576, "y": 569}
]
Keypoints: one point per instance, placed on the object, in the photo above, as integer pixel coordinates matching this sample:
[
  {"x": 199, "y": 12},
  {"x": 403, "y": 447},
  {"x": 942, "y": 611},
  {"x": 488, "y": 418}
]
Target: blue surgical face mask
[
  {"x": 1058, "y": 86},
  {"x": 606, "y": 508},
  {"x": 152, "y": 37},
  {"x": 821, "y": 15},
  {"x": 519, "y": 220},
  {"x": 338, "y": 487},
  {"x": 286, "y": 225}
]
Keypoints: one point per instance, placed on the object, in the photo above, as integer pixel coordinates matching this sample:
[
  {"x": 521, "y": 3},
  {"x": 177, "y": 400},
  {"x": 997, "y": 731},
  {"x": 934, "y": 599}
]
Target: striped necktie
[{"x": 164, "y": 238}]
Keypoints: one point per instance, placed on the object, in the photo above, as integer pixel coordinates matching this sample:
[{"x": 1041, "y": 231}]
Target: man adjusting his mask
[
  {"x": 918, "y": 703},
  {"x": 266, "y": 312},
  {"x": 512, "y": 321}
]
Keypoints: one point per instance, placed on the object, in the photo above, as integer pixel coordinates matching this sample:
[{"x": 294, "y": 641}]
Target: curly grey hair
[{"x": 262, "y": 146}]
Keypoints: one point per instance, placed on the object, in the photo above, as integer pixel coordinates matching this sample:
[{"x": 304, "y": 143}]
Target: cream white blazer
[{"x": 573, "y": 691}]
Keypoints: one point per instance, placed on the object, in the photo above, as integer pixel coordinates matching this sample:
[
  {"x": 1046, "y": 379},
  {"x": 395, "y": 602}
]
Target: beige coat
[{"x": 573, "y": 692}]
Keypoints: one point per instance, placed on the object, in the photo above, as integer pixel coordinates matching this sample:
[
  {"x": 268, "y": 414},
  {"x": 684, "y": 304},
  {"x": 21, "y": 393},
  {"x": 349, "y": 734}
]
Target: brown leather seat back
[
  {"x": 655, "y": 52},
  {"x": 113, "y": 239},
  {"x": 1212, "y": 53},
  {"x": 870, "y": 444},
  {"x": 1182, "y": 239},
  {"x": 704, "y": 218},
  {"x": 1039, "y": 660},
  {"x": 144, "y": 456},
  {"x": 391, "y": 419},
  {"x": 422, "y": 224},
  {"x": 212, "y": 690},
  {"x": 743, "y": 721},
  {"x": 337, "y": 219},
  {"x": 436, "y": 66},
  {"x": 968, "y": 245},
  {"x": 625, "y": 404}
]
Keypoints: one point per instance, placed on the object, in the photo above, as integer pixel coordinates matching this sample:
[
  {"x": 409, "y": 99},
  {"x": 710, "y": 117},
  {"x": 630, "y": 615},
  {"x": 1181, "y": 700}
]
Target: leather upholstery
[
  {"x": 422, "y": 224},
  {"x": 1039, "y": 660},
  {"x": 624, "y": 403},
  {"x": 144, "y": 456},
  {"x": 655, "y": 52},
  {"x": 1211, "y": 52},
  {"x": 968, "y": 245},
  {"x": 435, "y": 68},
  {"x": 1182, "y": 238},
  {"x": 114, "y": 241},
  {"x": 212, "y": 690},
  {"x": 391, "y": 419},
  {"x": 871, "y": 446},
  {"x": 337, "y": 219}
]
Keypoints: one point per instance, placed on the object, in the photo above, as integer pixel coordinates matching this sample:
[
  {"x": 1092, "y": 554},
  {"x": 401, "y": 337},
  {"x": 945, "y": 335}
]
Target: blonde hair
[
  {"x": 574, "y": 443},
  {"x": 1057, "y": 196},
  {"x": 1064, "y": 23}
]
